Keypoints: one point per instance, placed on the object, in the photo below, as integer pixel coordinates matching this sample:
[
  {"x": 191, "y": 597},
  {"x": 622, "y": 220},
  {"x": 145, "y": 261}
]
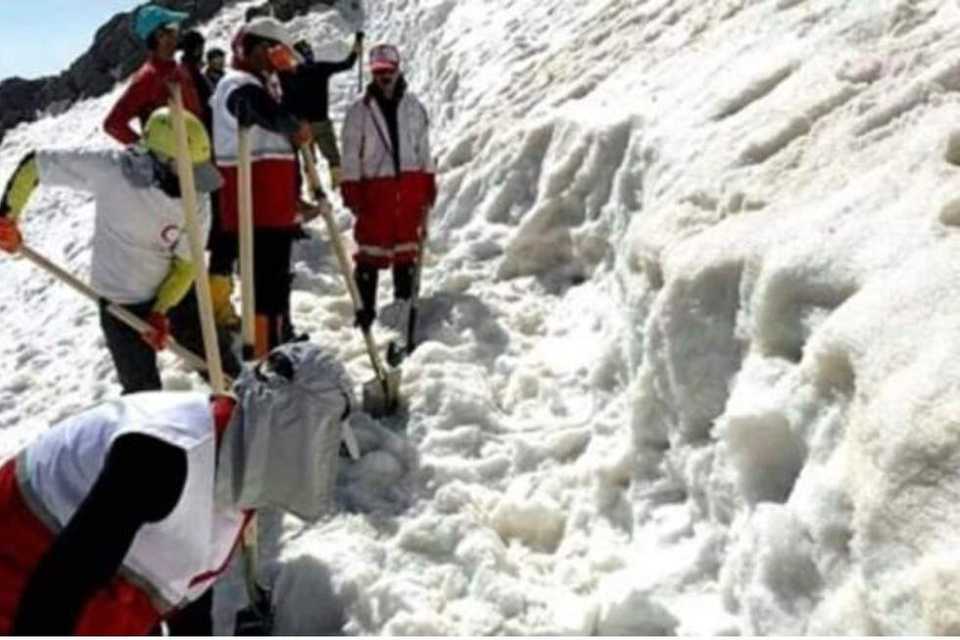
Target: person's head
[
  {"x": 304, "y": 49},
  {"x": 216, "y": 59},
  {"x": 160, "y": 140},
  {"x": 283, "y": 440},
  {"x": 157, "y": 28},
  {"x": 267, "y": 46},
  {"x": 192, "y": 43},
  {"x": 385, "y": 66}
]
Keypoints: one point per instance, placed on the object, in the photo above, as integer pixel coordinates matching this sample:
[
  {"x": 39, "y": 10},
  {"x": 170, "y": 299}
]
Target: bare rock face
[{"x": 114, "y": 54}]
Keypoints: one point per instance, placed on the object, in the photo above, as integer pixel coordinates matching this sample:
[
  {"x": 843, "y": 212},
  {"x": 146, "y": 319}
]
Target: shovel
[
  {"x": 131, "y": 320},
  {"x": 396, "y": 353},
  {"x": 380, "y": 394}
]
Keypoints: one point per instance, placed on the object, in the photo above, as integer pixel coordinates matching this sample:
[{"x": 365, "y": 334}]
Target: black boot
[{"x": 366, "y": 278}]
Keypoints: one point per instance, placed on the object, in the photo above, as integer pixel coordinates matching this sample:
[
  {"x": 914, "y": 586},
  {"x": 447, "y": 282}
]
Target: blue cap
[{"x": 151, "y": 17}]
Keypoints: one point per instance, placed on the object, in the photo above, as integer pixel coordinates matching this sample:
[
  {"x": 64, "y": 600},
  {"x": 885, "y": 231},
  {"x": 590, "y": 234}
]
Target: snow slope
[{"x": 689, "y": 361}]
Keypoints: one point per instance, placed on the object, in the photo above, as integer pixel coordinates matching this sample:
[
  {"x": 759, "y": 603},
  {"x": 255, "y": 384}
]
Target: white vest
[
  {"x": 367, "y": 149},
  {"x": 264, "y": 145},
  {"x": 57, "y": 471}
]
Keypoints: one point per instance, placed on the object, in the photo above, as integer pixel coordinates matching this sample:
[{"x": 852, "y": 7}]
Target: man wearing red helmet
[{"x": 388, "y": 179}]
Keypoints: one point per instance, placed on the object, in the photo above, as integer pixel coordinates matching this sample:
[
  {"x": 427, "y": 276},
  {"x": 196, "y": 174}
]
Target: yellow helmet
[{"x": 159, "y": 136}]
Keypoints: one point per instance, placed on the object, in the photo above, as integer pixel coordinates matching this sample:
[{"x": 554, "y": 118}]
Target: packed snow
[{"x": 690, "y": 326}]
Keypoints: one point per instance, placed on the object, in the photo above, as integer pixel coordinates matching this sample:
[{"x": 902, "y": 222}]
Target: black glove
[{"x": 364, "y": 318}]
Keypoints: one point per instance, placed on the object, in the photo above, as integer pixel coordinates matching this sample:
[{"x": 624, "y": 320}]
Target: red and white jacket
[
  {"x": 389, "y": 207},
  {"x": 273, "y": 160},
  {"x": 171, "y": 562}
]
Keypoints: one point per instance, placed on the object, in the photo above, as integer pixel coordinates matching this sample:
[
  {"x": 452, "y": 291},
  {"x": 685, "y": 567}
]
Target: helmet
[{"x": 159, "y": 136}]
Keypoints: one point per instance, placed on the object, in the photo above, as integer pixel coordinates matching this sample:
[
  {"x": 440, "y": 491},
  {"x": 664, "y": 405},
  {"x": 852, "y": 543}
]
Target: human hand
[
  {"x": 10, "y": 238},
  {"x": 158, "y": 334}
]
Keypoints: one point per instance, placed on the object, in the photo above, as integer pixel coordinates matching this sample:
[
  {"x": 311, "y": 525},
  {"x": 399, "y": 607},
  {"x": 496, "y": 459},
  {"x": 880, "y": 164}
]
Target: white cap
[{"x": 272, "y": 29}]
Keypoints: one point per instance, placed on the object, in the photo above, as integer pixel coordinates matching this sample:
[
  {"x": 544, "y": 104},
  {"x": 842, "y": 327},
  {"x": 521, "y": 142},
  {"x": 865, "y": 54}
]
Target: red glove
[
  {"x": 159, "y": 332},
  {"x": 10, "y": 238}
]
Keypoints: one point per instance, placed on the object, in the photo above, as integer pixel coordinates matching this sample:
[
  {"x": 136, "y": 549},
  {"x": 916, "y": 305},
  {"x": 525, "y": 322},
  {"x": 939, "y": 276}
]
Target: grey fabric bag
[{"x": 282, "y": 445}]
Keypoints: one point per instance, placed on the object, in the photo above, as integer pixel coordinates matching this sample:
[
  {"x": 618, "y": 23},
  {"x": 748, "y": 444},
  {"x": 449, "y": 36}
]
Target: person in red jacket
[
  {"x": 388, "y": 179},
  {"x": 244, "y": 100},
  {"x": 149, "y": 89}
]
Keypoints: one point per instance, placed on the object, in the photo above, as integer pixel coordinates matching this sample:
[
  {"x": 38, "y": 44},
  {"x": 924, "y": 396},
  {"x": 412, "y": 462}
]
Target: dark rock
[{"x": 114, "y": 55}]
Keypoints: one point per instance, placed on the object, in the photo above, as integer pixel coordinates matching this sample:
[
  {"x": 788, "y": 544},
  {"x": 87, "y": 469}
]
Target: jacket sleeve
[
  {"x": 330, "y": 68},
  {"x": 77, "y": 169},
  {"x": 141, "y": 482},
  {"x": 426, "y": 155},
  {"x": 21, "y": 186},
  {"x": 117, "y": 123},
  {"x": 252, "y": 105},
  {"x": 351, "y": 139},
  {"x": 175, "y": 286}
]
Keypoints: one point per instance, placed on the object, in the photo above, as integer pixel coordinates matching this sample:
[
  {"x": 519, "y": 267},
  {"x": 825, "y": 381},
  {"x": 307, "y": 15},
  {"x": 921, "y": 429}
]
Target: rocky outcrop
[{"x": 114, "y": 54}]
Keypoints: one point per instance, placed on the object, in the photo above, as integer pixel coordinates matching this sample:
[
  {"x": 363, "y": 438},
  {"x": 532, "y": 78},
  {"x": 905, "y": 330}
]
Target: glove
[
  {"x": 364, "y": 318},
  {"x": 303, "y": 136},
  {"x": 159, "y": 332},
  {"x": 10, "y": 238}
]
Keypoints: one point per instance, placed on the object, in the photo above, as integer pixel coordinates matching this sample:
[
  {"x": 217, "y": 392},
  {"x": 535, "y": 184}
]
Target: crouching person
[
  {"x": 141, "y": 251},
  {"x": 117, "y": 517}
]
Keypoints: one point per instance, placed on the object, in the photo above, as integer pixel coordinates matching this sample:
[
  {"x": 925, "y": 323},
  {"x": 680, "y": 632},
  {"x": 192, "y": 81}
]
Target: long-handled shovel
[
  {"x": 380, "y": 394},
  {"x": 259, "y": 598},
  {"x": 120, "y": 313},
  {"x": 245, "y": 202}
]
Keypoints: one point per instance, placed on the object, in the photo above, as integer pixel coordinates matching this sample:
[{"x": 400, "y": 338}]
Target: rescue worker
[
  {"x": 141, "y": 253},
  {"x": 116, "y": 517},
  {"x": 305, "y": 94},
  {"x": 149, "y": 87},
  {"x": 388, "y": 179},
  {"x": 243, "y": 100}
]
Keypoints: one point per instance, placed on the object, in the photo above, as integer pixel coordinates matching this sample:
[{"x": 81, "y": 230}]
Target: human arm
[
  {"x": 330, "y": 68},
  {"x": 141, "y": 482},
  {"x": 351, "y": 137},
  {"x": 252, "y": 105},
  {"x": 128, "y": 107}
]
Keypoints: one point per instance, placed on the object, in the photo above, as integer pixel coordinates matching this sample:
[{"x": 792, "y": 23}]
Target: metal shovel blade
[{"x": 380, "y": 396}]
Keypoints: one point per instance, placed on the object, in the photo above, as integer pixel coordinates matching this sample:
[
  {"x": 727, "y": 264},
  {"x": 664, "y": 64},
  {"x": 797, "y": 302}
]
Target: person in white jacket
[
  {"x": 141, "y": 255},
  {"x": 388, "y": 179}
]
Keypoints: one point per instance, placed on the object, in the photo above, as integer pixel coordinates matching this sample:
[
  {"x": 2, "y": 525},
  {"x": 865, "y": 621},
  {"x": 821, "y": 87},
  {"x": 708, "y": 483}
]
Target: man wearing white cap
[
  {"x": 388, "y": 179},
  {"x": 243, "y": 99}
]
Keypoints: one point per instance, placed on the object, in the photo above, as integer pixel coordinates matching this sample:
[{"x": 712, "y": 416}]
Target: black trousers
[
  {"x": 136, "y": 361},
  {"x": 221, "y": 244}
]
